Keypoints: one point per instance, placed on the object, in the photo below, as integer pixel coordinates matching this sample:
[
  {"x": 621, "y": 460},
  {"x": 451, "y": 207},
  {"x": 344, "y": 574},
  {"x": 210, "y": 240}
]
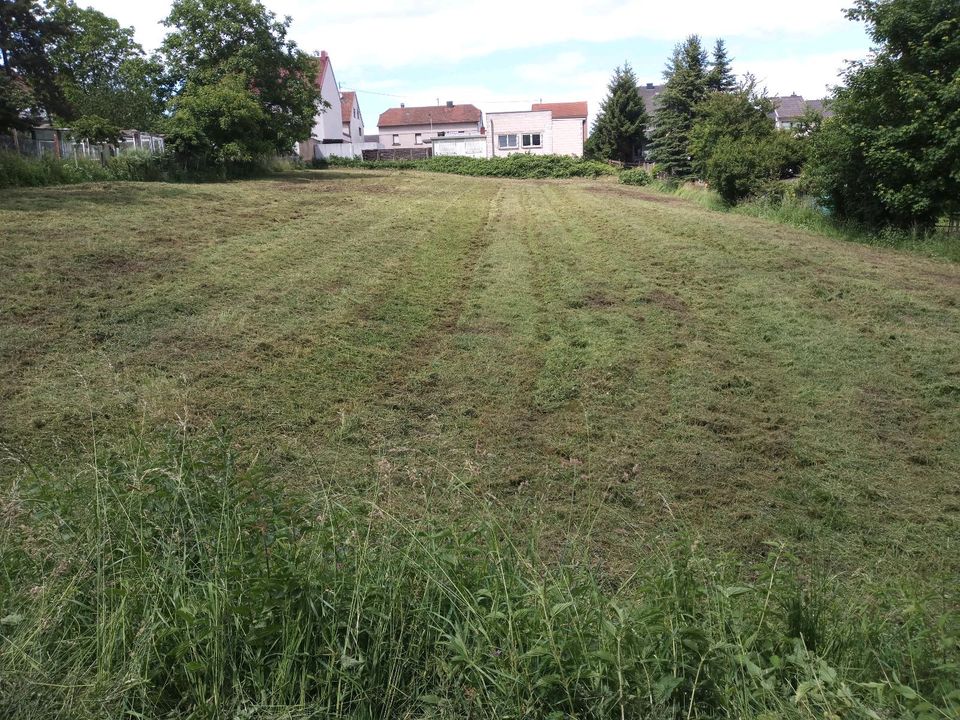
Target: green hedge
[
  {"x": 513, "y": 166},
  {"x": 19, "y": 171}
]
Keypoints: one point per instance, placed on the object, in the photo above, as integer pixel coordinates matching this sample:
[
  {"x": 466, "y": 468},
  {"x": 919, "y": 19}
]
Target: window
[
  {"x": 418, "y": 139},
  {"x": 531, "y": 140},
  {"x": 441, "y": 134},
  {"x": 506, "y": 142},
  {"x": 396, "y": 139}
]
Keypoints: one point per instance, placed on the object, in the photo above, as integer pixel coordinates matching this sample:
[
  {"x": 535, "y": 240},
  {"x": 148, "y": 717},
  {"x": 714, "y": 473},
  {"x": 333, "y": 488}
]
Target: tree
[
  {"x": 619, "y": 132},
  {"x": 721, "y": 77},
  {"x": 30, "y": 87},
  {"x": 102, "y": 71},
  {"x": 685, "y": 89},
  {"x": 235, "y": 54},
  {"x": 891, "y": 154},
  {"x": 735, "y": 147}
]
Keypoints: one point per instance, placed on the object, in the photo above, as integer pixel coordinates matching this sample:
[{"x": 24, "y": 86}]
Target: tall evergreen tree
[
  {"x": 685, "y": 89},
  {"x": 619, "y": 132},
  {"x": 721, "y": 77}
]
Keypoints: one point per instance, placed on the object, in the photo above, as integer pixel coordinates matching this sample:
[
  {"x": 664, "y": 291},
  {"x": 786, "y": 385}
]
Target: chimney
[
  {"x": 323, "y": 54},
  {"x": 403, "y": 105},
  {"x": 649, "y": 86},
  {"x": 449, "y": 103}
]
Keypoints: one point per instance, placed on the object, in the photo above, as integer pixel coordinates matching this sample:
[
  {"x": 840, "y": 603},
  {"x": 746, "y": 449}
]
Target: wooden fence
[{"x": 397, "y": 154}]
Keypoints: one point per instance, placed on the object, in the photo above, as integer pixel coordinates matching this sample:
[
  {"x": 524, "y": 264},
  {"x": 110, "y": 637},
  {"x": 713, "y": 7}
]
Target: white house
[
  {"x": 416, "y": 127},
  {"x": 338, "y": 129},
  {"x": 545, "y": 129}
]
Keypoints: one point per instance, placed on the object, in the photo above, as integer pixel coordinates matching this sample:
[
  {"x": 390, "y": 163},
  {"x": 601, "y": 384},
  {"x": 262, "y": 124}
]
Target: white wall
[
  {"x": 518, "y": 123},
  {"x": 344, "y": 150},
  {"x": 471, "y": 146},
  {"x": 328, "y": 124},
  {"x": 568, "y": 136},
  {"x": 408, "y": 133}
]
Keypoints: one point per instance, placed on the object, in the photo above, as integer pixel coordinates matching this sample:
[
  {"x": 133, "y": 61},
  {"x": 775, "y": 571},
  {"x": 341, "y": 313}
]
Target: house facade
[
  {"x": 789, "y": 109},
  {"x": 351, "y": 117},
  {"x": 337, "y": 129},
  {"x": 545, "y": 129},
  {"x": 416, "y": 127}
]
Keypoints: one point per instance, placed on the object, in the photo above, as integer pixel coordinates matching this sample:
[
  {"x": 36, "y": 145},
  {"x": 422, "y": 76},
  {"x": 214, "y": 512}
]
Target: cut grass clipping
[{"x": 171, "y": 579}]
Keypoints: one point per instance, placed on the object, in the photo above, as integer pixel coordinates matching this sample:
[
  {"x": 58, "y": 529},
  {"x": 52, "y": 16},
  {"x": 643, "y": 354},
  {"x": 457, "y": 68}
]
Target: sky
[{"x": 503, "y": 55}]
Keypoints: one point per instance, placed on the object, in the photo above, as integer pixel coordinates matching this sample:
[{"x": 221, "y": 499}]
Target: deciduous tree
[
  {"x": 891, "y": 153},
  {"x": 235, "y": 54}
]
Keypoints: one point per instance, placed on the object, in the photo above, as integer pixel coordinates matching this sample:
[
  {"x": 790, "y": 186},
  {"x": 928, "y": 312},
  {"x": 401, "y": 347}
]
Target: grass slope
[{"x": 603, "y": 357}]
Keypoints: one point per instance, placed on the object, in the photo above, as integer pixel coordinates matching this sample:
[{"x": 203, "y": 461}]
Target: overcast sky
[{"x": 503, "y": 55}]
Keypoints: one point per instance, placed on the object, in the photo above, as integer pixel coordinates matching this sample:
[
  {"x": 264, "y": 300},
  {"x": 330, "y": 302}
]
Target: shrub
[
  {"x": 174, "y": 580},
  {"x": 518, "y": 165},
  {"x": 635, "y": 176}
]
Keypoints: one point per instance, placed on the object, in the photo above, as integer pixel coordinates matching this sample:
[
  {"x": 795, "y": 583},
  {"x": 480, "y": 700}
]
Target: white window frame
[
  {"x": 418, "y": 138},
  {"x": 525, "y": 144},
  {"x": 396, "y": 139},
  {"x": 501, "y": 145}
]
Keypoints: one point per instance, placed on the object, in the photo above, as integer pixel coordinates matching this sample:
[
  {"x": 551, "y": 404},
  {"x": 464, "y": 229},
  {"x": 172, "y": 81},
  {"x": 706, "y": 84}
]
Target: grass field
[
  {"x": 606, "y": 367},
  {"x": 593, "y": 355}
]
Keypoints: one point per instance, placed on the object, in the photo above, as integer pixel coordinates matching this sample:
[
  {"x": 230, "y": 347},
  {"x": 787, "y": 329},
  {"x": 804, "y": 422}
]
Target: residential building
[
  {"x": 788, "y": 110},
  {"x": 649, "y": 92},
  {"x": 337, "y": 129},
  {"x": 413, "y": 127},
  {"x": 352, "y": 117},
  {"x": 545, "y": 129}
]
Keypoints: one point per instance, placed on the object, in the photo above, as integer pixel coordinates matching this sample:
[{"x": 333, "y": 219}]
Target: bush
[
  {"x": 635, "y": 176},
  {"x": 518, "y": 165},
  {"x": 174, "y": 580},
  {"x": 19, "y": 171}
]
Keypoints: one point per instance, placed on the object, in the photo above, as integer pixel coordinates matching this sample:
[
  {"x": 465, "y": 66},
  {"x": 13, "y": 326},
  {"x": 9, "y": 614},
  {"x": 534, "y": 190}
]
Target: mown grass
[{"x": 572, "y": 379}]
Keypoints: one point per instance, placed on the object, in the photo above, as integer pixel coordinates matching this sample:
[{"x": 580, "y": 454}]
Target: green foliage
[
  {"x": 30, "y": 86},
  {"x": 103, "y": 71},
  {"x": 735, "y": 147},
  {"x": 243, "y": 89},
  {"x": 19, "y": 171},
  {"x": 685, "y": 89},
  {"x": 891, "y": 155},
  {"x": 619, "y": 131},
  {"x": 720, "y": 78},
  {"x": 517, "y": 165},
  {"x": 635, "y": 176},
  {"x": 95, "y": 129},
  {"x": 176, "y": 580},
  {"x": 220, "y": 122}
]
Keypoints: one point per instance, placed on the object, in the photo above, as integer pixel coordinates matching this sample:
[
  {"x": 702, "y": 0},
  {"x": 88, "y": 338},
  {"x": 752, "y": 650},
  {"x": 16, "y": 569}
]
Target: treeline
[
  {"x": 226, "y": 86},
  {"x": 889, "y": 156}
]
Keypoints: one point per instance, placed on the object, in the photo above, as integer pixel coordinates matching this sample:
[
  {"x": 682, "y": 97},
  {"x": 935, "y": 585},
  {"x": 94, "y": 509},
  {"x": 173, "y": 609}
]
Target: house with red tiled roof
[
  {"x": 544, "y": 129},
  {"x": 351, "y": 117},
  {"x": 416, "y": 127}
]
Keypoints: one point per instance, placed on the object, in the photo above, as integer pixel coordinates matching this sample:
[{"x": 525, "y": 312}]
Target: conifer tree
[
  {"x": 721, "y": 77},
  {"x": 685, "y": 89},
  {"x": 619, "y": 132}
]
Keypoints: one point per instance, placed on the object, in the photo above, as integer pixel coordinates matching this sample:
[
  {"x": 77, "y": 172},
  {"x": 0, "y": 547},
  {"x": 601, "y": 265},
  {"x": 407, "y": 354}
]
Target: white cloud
[
  {"x": 809, "y": 75},
  {"x": 393, "y": 33}
]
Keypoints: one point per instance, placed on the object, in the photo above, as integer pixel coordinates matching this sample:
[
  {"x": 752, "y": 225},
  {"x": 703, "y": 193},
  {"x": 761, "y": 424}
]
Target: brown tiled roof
[
  {"x": 563, "y": 110},
  {"x": 347, "y": 100},
  {"x": 323, "y": 63},
  {"x": 436, "y": 114}
]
